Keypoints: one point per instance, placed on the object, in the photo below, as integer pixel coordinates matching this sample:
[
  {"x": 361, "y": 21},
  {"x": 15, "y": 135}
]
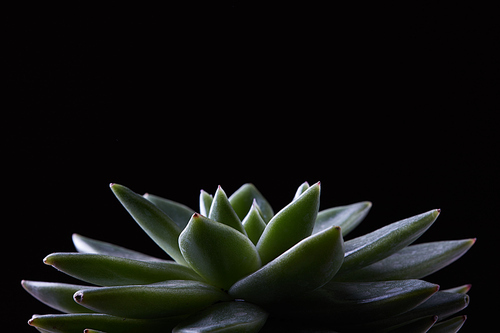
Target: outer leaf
[
  {"x": 76, "y": 323},
  {"x": 302, "y": 188},
  {"x": 452, "y": 325},
  {"x": 412, "y": 262},
  {"x": 464, "y": 289},
  {"x": 89, "y": 330},
  {"x": 56, "y": 295},
  {"x": 347, "y": 217},
  {"x": 290, "y": 225},
  {"x": 254, "y": 224},
  {"x": 217, "y": 252},
  {"x": 178, "y": 212},
  {"x": 222, "y": 212},
  {"x": 441, "y": 304},
  {"x": 421, "y": 325},
  {"x": 306, "y": 266},
  {"x": 205, "y": 203},
  {"x": 113, "y": 271},
  {"x": 230, "y": 317},
  {"x": 243, "y": 198},
  {"x": 380, "y": 244},
  {"x": 158, "y": 225},
  {"x": 89, "y": 245},
  {"x": 350, "y": 303},
  {"x": 160, "y": 300}
]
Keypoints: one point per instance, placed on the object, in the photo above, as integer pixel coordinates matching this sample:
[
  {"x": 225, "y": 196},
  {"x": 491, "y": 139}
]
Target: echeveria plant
[{"x": 238, "y": 267}]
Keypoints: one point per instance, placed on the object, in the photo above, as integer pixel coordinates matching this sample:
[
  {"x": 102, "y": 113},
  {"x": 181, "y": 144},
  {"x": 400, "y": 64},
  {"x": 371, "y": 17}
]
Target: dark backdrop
[{"x": 391, "y": 105}]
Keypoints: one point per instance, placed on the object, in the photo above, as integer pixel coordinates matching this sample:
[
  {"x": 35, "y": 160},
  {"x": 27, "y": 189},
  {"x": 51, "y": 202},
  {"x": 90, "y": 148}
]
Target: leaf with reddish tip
[
  {"x": 290, "y": 225},
  {"x": 217, "y": 252},
  {"x": 178, "y": 212},
  {"x": 222, "y": 211},
  {"x": 158, "y": 225},
  {"x": 243, "y": 198}
]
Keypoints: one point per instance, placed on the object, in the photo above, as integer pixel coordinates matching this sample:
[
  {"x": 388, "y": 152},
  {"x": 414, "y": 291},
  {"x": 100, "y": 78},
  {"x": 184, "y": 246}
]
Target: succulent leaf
[
  {"x": 306, "y": 266},
  {"x": 228, "y": 317},
  {"x": 302, "y": 188},
  {"x": 347, "y": 217},
  {"x": 89, "y": 245},
  {"x": 421, "y": 325},
  {"x": 159, "y": 300},
  {"x": 77, "y": 323},
  {"x": 56, "y": 295},
  {"x": 254, "y": 224},
  {"x": 412, "y": 262},
  {"x": 158, "y": 225},
  {"x": 113, "y": 271},
  {"x": 459, "y": 290},
  {"x": 218, "y": 252},
  {"x": 243, "y": 198},
  {"x": 90, "y": 330},
  {"x": 381, "y": 243},
  {"x": 290, "y": 225},
  {"x": 205, "y": 203},
  {"x": 178, "y": 212},
  {"x": 452, "y": 325},
  {"x": 222, "y": 212}
]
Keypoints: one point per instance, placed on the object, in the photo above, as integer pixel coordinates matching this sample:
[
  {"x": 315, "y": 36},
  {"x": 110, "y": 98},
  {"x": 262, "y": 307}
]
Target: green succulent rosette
[{"x": 239, "y": 267}]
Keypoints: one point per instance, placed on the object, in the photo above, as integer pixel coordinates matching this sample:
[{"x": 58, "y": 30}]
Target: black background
[{"x": 395, "y": 105}]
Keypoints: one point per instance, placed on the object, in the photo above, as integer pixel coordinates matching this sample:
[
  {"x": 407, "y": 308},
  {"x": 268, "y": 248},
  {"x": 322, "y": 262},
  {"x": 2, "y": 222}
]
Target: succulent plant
[{"x": 238, "y": 267}]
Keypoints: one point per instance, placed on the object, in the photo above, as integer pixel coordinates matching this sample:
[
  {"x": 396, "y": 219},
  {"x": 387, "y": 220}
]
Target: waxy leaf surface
[
  {"x": 290, "y": 225},
  {"x": 254, "y": 224},
  {"x": 347, "y": 217},
  {"x": 178, "y": 212},
  {"x": 243, "y": 198},
  {"x": 158, "y": 225},
  {"x": 452, "y": 325},
  {"x": 113, "y": 271},
  {"x": 222, "y": 211},
  {"x": 217, "y": 252},
  {"x": 230, "y": 317},
  {"x": 205, "y": 203},
  {"x": 306, "y": 266},
  {"x": 165, "y": 299}
]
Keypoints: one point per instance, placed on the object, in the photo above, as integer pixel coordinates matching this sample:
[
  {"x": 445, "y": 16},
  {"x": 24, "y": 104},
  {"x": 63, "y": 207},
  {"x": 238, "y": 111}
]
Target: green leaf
[
  {"x": 205, "y": 203},
  {"x": 113, "y": 271},
  {"x": 159, "y": 300},
  {"x": 89, "y": 245},
  {"x": 412, "y": 262},
  {"x": 302, "y": 188},
  {"x": 452, "y": 325},
  {"x": 421, "y": 325},
  {"x": 290, "y": 225},
  {"x": 228, "y": 317},
  {"x": 218, "y": 252},
  {"x": 77, "y": 323},
  {"x": 348, "y": 303},
  {"x": 380, "y": 244},
  {"x": 243, "y": 198},
  {"x": 178, "y": 212},
  {"x": 254, "y": 224},
  {"x": 89, "y": 330},
  {"x": 306, "y": 266},
  {"x": 158, "y": 225},
  {"x": 459, "y": 290},
  {"x": 347, "y": 217},
  {"x": 222, "y": 212},
  {"x": 56, "y": 295}
]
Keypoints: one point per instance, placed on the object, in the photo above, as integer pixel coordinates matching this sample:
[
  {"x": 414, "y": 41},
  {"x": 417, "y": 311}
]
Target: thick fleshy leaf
[
  {"x": 217, "y": 252},
  {"x": 254, "y": 224},
  {"x": 464, "y": 289},
  {"x": 421, "y": 325},
  {"x": 56, "y": 295},
  {"x": 346, "y": 303},
  {"x": 290, "y": 225},
  {"x": 302, "y": 188},
  {"x": 306, "y": 266},
  {"x": 159, "y": 300},
  {"x": 243, "y": 198},
  {"x": 89, "y": 245},
  {"x": 441, "y": 304},
  {"x": 222, "y": 211},
  {"x": 346, "y": 217},
  {"x": 381, "y": 243},
  {"x": 178, "y": 212},
  {"x": 90, "y": 330},
  {"x": 452, "y": 325},
  {"x": 77, "y": 323},
  {"x": 228, "y": 317},
  {"x": 412, "y": 262},
  {"x": 205, "y": 203},
  {"x": 158, "y": 225},
  {"x": 113, "y": 271}
]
